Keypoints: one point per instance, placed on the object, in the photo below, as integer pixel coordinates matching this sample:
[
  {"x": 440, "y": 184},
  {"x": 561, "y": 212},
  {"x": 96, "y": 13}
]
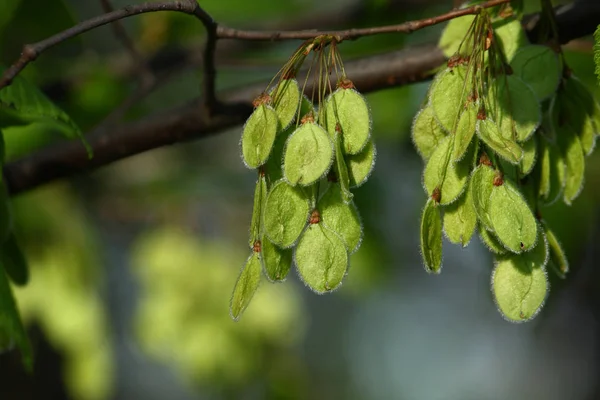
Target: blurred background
[{"x": 132, "y": 266}]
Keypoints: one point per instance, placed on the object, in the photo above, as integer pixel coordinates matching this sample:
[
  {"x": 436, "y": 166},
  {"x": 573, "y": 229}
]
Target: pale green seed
[
  {"x": 431, "y": 237},
  {"x": 529, "y": 156},
  {"x": 276, "y": 262},
  {"x": 286, "y": 214},
  {"x": 544, "y": 168},
  {"x": 460, "y": 220},
  {"x": 321, "y": 258},
  {"x": 519, "y": 283},
  {"x": 511, "y": 218},
  {"x": 538, "y": 67},
  {"x": 557, "y": 254},
  {"x": 451, "y": 178},
  {"x": 308, "y": 155},
  {"x": 348, "y": 108},
  {"x": 246, "y": 286},
  {"x": 491, "y": 241},
  {"x": 482, "y": 183},
  {"x": 490, "y": 134},
  {"x": 426, "y": 132},
  {"x": 361, "y": 165},
  {"x": 511, "y": 36},
  {"x": 465, "y": 131},
  {"x": 286, "y": 100},
  {"x": 448, "y": 96},
  {"x": 260, "y": 199},
  {"x": 340, "y": 217},
  {"x": 258, "y": 136}
]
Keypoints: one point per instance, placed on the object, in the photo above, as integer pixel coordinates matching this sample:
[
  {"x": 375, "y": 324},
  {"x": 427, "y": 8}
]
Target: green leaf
[
  {"x": 258, "y": 136},
  {"x": 321, "y": 258},
  {"x": 426, "y": 132},
  {"x": 451, "y": 178},
  {"x": 348, "y": 108},
  {"x": 286, "y": 101},
  {"x": 511, "y": 218},
  {"x": 490, "y": 134},
  {"x": 260, "y": 198},
  {"x": 510, "y": 35},
  {"x": 454, "y": 33},
  {"x": 448, "y": 95},
  {"x": 514, "y": 107},
  {"x": 491, "y": 241},
  {"x": 465, "y": 131},
  {"x": 529, "y": 156},
  {"x": 538, "y": 67},
  {"x": 246, "y": 286},
  {"x": 431, "y": 237},
  {"x": 308, "y": 155},
  {"x": 520, "y": 284},
  {"x": 340, "y": 217},
  {"x": 286, "y": 214},
  {"x": 361, "y": 165},
  {"x": 460, "y": 220},
  {"x": 482, "y": 184},
  {"x": 597, "y": 51},
  {"x": 14, "y": 262},
  {"x": 557, "y": 254},
  {"x": 276, "y": 262}
]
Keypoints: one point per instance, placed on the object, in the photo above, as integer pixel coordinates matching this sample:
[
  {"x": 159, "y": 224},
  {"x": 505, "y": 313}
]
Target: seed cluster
[
  {"x": 309, "y": 153},
  {"x": 503, "y": 132}
]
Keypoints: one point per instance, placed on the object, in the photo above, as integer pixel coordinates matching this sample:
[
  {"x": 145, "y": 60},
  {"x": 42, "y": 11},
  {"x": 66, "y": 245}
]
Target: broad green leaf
[
  {"x": 511, "y": 36},
  {"x": 11, "y": 328},
  {"x": 491, "y": 241},
  {"x": 556, "y": 252},
  {"x": 431, "y": 237},
  {"x": 260, "y": 198},
  {"x": 448, "y": 95},
  {"x": 511, "y": 218},
  {"x": 13, "y": 261},
  {"x": 276, "y": 262},
  {"x": 453, "y": 35},
  {"x": 321, "y": 258},
  {"x": 286, "y": 101},
  {"x": 465, "y": 131},
  {"x": 308, "y": 155},
  {"x": 490, "y": 134},
  {"x": 286, "y": 214},
  {"x": 258, "y": 136},
  {"x": 529, "y": 156},
  {"x": 340, "y": 217},
  {"x": 514, "y": 107},
  {"x": 361, "y": 165},
  {"x": 451, "y": 178},
  {"x": 341, "y": 171},
  {"x": 246, "y": 286},
  {"x": 520, "y": 284},
  {"x": 482, "y": 183},
  {"x": 538, "y": 67},
  {"x": 460, "y": 220},
  {"x": 426, "y": 132},
  {"x": 349, "y": 108}
]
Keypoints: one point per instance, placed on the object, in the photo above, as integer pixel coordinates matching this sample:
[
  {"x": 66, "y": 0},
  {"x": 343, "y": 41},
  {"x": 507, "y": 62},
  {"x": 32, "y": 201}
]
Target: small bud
[
  {"x": 345, "y": 83},
  {"x": 499, "y": 179},
  {"x": 481, "y": 114},
  {"x": 307, "y": 118},
  {"x": 436, "y": 195},
  {"x": 257, "y": 246},
  {"x": 263, "y": 98},
  {"x": 485, "y": 160},
  {"x": 315, "y": 217}
]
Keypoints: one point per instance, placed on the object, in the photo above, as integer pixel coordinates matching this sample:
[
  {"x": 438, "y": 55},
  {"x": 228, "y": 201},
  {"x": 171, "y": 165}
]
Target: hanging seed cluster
[
  {"x": 309, "y": 154},
  {"x": 505, "y": 130}
]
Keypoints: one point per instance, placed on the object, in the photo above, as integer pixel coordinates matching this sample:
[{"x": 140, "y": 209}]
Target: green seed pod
[
  {"x": 553, "y": 174},
  {"x": 340, "y": 217},
  {"x": 557, "y": 254},
  {"x": 321, "y": 258},
  {"x": 448, "y": 95},
  {"x": 538, "y": 67},
  {"x": 286, "y": 214},
  {"x": 568, "y": 112},
  {"x": 543, "y": 170},
  {"x": 579, "y": 94},
  {"x": 514, "y": 107},
  {"x": 349, "y": 109},
  {"x": 511, "y": 218},
  {"x": 286, "y": 100},
  {"x": 14, "y": 262},
  {"x": 361, "y": 165},
  {"x": 260, "y": 198},
  {"x": 482, "y": 183},
  {"x": 341, "y": 171},
  {"x": 511, "y": 36},
  {"x": 519, "y": 283},
  {"x": 258, "y": 136},
  {"x": 308, "y": 155},
  {"x": 529, "y": 156},
  {"x": 460, "y": 220},
  {"x": 431, "y": 237},
  {"x": 426, "y": 132},
  {"x": 465, "y": 131},
  {"x": 246, "y": 286},
  {"x": 276, "y": 262},
  {"x": 490, "y": 134},
  {"x": 454, "y": 34},
  {"x": 450, "y": 178},
  {"x": 491, "y": 241}
]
